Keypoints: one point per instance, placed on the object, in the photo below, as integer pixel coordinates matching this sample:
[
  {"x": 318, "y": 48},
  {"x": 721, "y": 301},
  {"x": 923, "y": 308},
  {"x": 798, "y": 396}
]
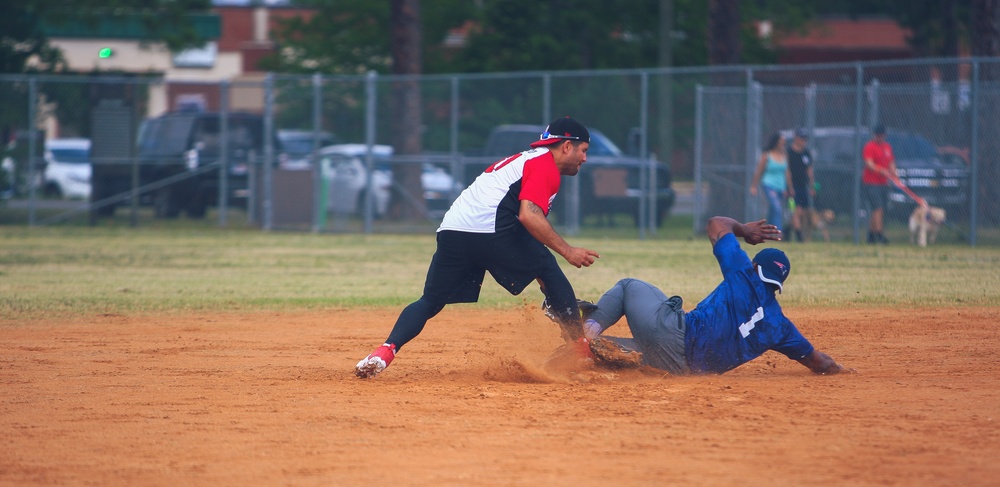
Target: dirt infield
[{"x": 270, "y": 399}]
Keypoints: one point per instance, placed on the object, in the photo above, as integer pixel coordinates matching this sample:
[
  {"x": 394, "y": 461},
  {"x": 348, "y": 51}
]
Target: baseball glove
[{"x": 609, "y": 354}]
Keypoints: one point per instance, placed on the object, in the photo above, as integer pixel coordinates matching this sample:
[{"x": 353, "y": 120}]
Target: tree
[
  {"x": 25, "y": 48},
  {"x": 354, "y": 37},
  {"x": 723, "y": 38},
  {"x": 23, "y": 24},
  {"x": 985, "y": 20},
  {"x": 406, "y": 61},
  {"x": 938, "y": 27}
]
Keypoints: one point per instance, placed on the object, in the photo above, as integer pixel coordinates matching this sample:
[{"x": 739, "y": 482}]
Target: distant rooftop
[
  {"x": 248, "y": 3},
  {"x": 845, "y": 39},
  {"x": 845, "y": 33}
]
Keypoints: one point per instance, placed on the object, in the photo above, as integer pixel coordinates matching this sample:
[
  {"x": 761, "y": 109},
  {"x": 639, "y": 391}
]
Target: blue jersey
[{"x": 739, "y": 320}]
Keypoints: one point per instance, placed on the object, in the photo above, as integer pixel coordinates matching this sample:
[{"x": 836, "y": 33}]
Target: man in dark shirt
[{"x": 803, "y": 187}]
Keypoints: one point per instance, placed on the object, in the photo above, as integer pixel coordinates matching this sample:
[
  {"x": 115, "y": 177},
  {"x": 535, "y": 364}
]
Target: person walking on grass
[
  {"x": 802, "y": 189},
  {"x": 498, "y": 225},
  {"x": 880, "y": 168},
  {"x": 771, "y": 175}
]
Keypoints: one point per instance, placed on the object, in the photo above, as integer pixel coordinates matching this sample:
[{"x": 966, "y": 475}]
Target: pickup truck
[
  {"x": 609, "y": 180},
  {"x": 942, "y": 181},
  {"x": 177, "y": 146}
]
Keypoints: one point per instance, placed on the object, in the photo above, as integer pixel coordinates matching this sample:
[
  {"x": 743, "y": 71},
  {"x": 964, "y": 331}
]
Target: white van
[{"x": 67, "y": 168}]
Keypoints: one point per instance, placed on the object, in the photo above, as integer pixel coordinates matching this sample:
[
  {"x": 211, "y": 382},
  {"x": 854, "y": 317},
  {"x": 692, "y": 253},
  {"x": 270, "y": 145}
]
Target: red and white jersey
[{"x": 492, "y": 202}]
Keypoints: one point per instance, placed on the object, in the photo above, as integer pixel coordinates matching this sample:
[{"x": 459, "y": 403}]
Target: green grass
[{"x": 70, "y": 271}]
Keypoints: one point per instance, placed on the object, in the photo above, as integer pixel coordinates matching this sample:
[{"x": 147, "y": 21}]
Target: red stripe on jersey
[
  {"x": 541, "y": 182},
  {"x": 491, "y": 202}
]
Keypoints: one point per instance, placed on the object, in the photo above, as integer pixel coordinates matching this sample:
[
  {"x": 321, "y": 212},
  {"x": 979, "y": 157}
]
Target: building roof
[
  {"x": 845, "y": 40},
  {"x": 878, "y": 33}
]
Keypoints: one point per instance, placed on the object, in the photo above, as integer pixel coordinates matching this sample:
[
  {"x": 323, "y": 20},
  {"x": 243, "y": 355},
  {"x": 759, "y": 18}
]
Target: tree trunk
[
  {"x": 407, "y": 195},
  {"x": 949, "y": 29},
  {"x": 985, "y": 24},
  {"x": 723, "y": 32},
  {"x": 724, "y": 48}
]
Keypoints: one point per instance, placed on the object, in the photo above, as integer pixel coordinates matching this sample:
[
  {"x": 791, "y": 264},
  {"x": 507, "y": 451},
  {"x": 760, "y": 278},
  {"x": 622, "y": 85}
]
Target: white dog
[{"x": 925, "y": 221}]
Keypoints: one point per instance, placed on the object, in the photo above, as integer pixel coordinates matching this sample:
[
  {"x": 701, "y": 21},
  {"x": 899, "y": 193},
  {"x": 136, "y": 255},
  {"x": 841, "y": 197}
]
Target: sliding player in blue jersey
[{"x": 739, "y": 321}]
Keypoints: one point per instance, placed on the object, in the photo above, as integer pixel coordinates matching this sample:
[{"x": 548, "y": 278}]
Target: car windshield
[
  {"x": 300, "y": 146},
  {"x": 908, "y": 147},
  {"x": 601, "y": 145},
  {"x": 833, "y": 148},
  {"x": 164, "y": 136},
  {"x": 297, "y": 146},
  {"x": 71, "y": 156}
]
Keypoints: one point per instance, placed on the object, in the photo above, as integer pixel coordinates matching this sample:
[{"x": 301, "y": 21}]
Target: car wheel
[
  {"x": 165, "y": 204},
  {"x": 197, "y": 208},
  {"x": 52, "y": 190},
  {"x": 99, "y": 191}
]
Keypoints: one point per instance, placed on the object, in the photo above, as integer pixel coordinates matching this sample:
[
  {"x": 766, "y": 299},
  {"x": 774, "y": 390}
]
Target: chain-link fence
[
  {"x": 390, "y": 153},
  {"x": 939, "y": 114}
]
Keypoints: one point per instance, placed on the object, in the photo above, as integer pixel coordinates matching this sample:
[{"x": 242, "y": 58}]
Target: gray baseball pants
[{"x": 656, "y": 322}]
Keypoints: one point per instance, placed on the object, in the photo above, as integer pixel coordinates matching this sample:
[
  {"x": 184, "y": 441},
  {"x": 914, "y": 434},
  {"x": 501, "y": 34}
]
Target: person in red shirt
[{"x": 880, "y": 166}]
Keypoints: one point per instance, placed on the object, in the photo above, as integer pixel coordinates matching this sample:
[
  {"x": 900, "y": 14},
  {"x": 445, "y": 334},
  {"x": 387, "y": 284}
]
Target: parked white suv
[
  {"x": 344, "y": 170},
  {"x": 67, "y": 168}
]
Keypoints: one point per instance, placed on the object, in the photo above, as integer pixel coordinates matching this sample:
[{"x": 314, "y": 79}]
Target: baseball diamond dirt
[{"x": 271, "y": 399}]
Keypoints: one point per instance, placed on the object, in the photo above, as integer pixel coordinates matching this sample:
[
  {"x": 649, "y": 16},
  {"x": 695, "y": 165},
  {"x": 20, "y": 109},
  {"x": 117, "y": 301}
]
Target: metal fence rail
[{"x": 236, "y": 158}]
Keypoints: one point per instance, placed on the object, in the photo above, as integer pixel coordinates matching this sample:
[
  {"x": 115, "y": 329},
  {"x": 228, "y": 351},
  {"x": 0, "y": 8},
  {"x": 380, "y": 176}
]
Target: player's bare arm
[
  {"x": 533, "y": 219},
  {"x": 757, "y": 175},
  {"x": 752, "y": 232},
  {"x": 870, "y": 164},
  {"x": 821, "y": 363}
]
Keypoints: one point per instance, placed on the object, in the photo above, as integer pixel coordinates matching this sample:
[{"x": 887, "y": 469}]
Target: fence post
[
  {"x": 873, "y": 101},
  {"x": 457, "y": 168},
  {"x": 546, "y": 98},
  {"x": 647, "y": 202},
  {"x": 859, "y": 84},
  {"x": 974, "y": 156},
  {"x": 268, "y": 151},
  {"x": 370, "y": 113},
  {"x": 32, "y": 141},
  {"x": 699, "y": 140},
  {"x": 223, "y": 152},
  {"x": 319, "y": 202},
  {"x": 753, "y": 115},
  {"x": 810, "y": 121}
]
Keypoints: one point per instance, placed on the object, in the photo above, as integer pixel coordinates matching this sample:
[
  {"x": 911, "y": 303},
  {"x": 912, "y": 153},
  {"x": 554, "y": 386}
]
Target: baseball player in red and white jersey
[{"x": 498, "y": 224}]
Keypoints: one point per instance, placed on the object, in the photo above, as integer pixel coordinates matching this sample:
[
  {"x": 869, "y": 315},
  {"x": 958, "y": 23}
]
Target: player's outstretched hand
[
  {"x": 759, "y": 231},
  {"x": 581, "y": 257}
]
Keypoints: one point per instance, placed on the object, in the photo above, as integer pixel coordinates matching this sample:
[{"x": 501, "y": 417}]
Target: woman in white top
[{"x": 772, "y": 175}]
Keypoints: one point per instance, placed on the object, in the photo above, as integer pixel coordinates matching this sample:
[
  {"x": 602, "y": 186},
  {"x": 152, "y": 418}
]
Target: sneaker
[
  {"x": 376, "y": 361},
  {"x": 586, "y": 309},
  {"x": 608, "y": 353}
]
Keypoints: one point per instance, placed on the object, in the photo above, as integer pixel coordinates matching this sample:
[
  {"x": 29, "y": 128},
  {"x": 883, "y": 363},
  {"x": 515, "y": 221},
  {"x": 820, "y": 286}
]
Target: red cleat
[{"x": 376, "y": 361}]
